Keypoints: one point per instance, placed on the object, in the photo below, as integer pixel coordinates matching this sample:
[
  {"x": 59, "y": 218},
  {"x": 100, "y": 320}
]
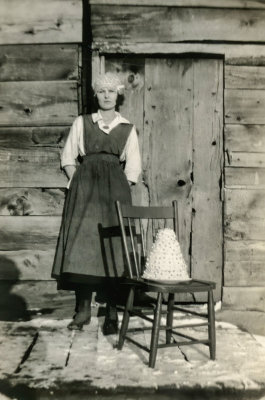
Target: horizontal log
[
  {"x": 240, "y": 159},
  {"x": 237, "y": 228},
  {"x": 171, "y": 24},
  {"x": 244, "y": 251},
  {"x": 28, "y": 299},
  {"x": 186, "y": 3},
  {"x": 233, "y": 54},
  {"x": 245, "y": 203},
  {"x": 247, "y": 321},
  {"x": 29, "y": 232},
  {"x": 40, "y": 136},
  {"x": 244, "y": 214},
  {"x": 245, "y": 138},
  {"x": 242, "y": 298},
  {"x": 38, "y": 62},
  {"x": 244, "y": 263},
  {"x": 26, "y": 264},
  {"x": 29, "y": 201},
  {"x": 52, "y": 21},
  {"x": 244, "y": 106},
  {"x": 244, "y": 273},
  {"x": 244, "y": 77},
  {"x": 31, "y": 168},
  {"x": 38, "y": 103},
  {"x": 245, "y": 177}
]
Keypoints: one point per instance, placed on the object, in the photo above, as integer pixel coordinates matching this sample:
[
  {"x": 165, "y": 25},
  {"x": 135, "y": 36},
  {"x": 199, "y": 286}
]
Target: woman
[{"x": 85, "y": 260}]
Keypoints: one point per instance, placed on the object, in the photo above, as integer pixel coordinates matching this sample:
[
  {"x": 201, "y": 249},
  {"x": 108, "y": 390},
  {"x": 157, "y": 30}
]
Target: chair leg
[
  {"x": 211, "y": 327},
  {"x": 170, "y": 305},
  {"x": 126, "y": 317},
  {"x": 155, "y": 331}
]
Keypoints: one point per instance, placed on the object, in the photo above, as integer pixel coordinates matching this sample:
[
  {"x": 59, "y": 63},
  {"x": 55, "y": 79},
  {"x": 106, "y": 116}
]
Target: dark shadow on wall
[
  {"x": 86, "y": 72},
  {"x": 12, "y": 306}
]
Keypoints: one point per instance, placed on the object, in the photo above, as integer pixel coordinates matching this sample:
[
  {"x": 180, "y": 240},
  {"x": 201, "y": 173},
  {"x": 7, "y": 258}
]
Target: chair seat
[{"x": 191, "y": 285}]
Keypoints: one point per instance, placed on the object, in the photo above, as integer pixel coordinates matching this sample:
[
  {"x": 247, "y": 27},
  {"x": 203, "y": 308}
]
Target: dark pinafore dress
[{"x": 89, "y": 249}]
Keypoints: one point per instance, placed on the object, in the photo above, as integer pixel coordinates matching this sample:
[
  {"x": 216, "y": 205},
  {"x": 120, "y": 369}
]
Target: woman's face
[{"x": 107, "y": 98}]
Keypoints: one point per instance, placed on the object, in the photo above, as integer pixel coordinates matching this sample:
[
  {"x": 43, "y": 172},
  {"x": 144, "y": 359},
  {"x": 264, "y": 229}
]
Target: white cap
[{"x": 108, "y": 80}]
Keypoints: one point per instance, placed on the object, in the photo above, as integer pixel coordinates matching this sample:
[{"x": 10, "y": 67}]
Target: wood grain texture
[
  {"x": 244, "y": 250},
  {"x": 38, "y": 103},
  {"x": 33, "y": 137},
  {"x": 171, "y": 24},
  {"x": 27, "y": 264},
  {"x": 244, "y": 77},
  {"x": 22, "y": 168},
  {"x": 207, "y": 235},
  {"x": 239, "y": 159},
  {"x": 244, "y": 263},
  {"x": 247, "y": 203},
  {"x": 244, "y": 273},
  {"x": 95, "y": 64},
  {"x": 52, "y": 21},
  {"x": 34, "y": 297},
  {"x": 56, "y": 344},
  {"x": 131, "y": 73},
  {"x": 168, "y": 130},
  {"x": 244, "y": 214},
  {"x": 245, "y": 138},
  {"x": 30, "y": 201},
  {"x": 233, "y": 54},
  {"x": 29, "y": 232},
  {"x": 12, "y": 346},
  {"x": 244, "y": 106},
  {"x": 242, "y": 298},
  {"x": 38, "y": 62},
  {"x": 245, "y": 177},
  {"x": 186, "y": 3}
]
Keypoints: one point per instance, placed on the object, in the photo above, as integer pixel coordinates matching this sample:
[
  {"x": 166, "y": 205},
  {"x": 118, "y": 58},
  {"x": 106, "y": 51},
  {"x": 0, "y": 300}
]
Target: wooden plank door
[
  {"x": 183, "y": 103},
  {"x": 207, "y": 206},
  {"x": 177, "y": 106},
  {"x": 168, "y": 128}
]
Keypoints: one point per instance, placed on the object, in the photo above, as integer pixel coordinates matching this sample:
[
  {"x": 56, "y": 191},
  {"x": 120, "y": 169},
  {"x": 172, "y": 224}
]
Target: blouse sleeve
[
  {"x": 72, "y": 145},
  {"x": 131, "y": 154}
]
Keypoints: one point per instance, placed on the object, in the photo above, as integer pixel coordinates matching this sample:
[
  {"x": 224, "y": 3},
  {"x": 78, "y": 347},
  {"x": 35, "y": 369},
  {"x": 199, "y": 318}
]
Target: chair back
[{"x": 139, "y": 226}]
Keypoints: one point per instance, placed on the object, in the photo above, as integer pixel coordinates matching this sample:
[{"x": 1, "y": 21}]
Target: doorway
[{"x": 177, "y": 107}]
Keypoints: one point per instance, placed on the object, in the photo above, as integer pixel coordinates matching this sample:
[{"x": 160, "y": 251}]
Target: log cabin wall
[
  {"x": 40, "y": 63},
  {"x": 40, "y": 60},
  {"x": 234, "y": 30}
]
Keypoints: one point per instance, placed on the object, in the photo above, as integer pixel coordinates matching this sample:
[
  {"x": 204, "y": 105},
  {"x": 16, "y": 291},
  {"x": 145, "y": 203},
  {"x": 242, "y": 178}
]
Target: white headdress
[{"x": 108, "y": 80}]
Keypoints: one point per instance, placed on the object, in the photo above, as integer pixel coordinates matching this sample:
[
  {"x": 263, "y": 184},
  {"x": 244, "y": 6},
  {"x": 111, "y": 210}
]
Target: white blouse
[{"x": 74, "y": 145}]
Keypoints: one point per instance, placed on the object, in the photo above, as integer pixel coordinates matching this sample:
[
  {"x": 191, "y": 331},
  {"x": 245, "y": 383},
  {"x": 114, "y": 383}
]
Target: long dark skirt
[{"x": 89, "y": 249}]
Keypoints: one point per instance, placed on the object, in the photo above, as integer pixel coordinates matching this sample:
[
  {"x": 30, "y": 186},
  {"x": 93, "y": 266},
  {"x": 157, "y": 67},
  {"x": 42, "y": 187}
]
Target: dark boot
[
  {"x": 83, "y": 308},
  {"x": 110, "y": 326}
]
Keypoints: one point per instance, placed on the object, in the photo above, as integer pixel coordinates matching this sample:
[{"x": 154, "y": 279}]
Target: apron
[{"x": 89, "y": 248}]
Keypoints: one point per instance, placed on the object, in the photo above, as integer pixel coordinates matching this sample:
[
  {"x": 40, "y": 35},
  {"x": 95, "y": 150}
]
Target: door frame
[{"x": 98, "y": 66}]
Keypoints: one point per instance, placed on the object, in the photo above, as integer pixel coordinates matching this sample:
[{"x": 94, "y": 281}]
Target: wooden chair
[{"x": 138, "y": 227}]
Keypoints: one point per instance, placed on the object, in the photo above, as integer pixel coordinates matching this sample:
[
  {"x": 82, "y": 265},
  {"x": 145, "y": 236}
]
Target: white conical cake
[{"x": 165, "y": 261}]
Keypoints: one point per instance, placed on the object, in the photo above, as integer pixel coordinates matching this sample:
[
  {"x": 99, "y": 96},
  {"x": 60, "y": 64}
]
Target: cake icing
[{"x": 165, "y": 261}]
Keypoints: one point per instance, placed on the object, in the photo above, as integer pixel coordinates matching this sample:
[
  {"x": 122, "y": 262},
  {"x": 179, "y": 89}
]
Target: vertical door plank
[
  {"x": 207, "y": 235},
  {"x": 168, "y": 128}
]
